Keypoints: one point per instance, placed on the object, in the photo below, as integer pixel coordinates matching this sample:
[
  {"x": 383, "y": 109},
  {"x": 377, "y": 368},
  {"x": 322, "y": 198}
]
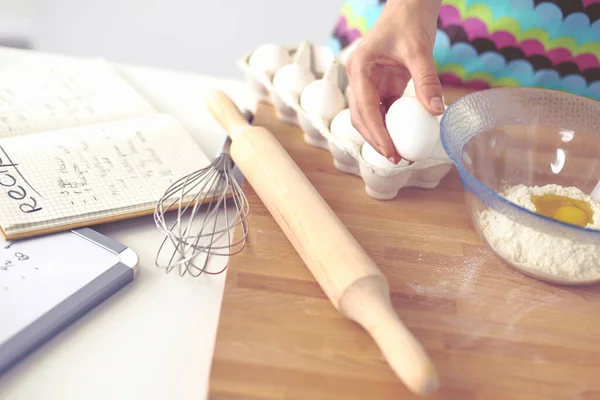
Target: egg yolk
[{"x": 564, "y": 208}]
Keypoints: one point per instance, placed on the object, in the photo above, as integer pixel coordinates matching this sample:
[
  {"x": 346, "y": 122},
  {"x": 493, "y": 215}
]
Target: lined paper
[
  {"x": 50, "y": 97},
  {"x": 87, "y": 173}
]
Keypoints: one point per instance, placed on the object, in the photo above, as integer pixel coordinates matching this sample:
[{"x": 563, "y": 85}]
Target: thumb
[{"x": 427, "y": 83}]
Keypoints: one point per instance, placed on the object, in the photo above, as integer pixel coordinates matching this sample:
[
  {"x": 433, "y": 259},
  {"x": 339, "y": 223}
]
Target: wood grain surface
[{"x": 492, "y": 332}]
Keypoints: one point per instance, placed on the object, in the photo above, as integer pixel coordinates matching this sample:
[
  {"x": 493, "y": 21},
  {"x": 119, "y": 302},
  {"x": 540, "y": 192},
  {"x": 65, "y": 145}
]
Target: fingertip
[
  {"x": 381, "y": 148},
  {"x": 394, "y": 157},
  {"x": 437, "y": 105},
  {"x": 433, "y": 104}
]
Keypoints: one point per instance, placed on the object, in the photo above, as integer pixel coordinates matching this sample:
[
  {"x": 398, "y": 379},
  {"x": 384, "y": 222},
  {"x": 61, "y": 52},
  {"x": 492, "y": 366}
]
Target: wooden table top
[{"x": 492, "y": 332}]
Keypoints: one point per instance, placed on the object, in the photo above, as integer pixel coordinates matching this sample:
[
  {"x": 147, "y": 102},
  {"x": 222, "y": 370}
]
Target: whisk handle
[{"x": 226, "y": 112}]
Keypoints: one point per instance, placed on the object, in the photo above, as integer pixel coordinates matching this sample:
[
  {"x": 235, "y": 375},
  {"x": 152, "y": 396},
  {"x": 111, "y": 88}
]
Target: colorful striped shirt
[{"x": 515, "y": 43}]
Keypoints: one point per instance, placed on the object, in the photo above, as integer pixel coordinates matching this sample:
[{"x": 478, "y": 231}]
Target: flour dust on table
[{"x": 532, "y": 249}]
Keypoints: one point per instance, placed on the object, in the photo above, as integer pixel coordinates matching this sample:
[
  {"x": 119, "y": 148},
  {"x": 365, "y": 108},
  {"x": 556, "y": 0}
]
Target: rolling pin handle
[
  {"x": 226, "y": 112},
  {"x": 368, "y": 303}
]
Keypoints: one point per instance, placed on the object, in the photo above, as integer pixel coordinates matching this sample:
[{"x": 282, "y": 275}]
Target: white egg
[
  {"x": 269, "y": 58},
  {"x": 413, "y": 130},
  {"x": 292, "y": 78},
  {"x": 409, "y": 91},
  {"x": 323, "y": 98},
  {"x": 372, "y": 157},
  {"x": 342, "y": 127}
]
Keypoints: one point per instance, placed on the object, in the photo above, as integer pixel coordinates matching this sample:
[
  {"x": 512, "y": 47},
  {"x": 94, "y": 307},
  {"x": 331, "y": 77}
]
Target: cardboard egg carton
[{"x": 383, "y": 180}]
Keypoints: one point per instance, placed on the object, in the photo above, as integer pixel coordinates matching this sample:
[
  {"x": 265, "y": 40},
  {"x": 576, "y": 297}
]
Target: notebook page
[
  {"x": 75, "y": 93},
  {"x": 78, "y": 175}
]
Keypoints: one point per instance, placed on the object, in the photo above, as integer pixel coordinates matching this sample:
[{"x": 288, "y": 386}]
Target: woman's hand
[{"x": 398, "y": 46}]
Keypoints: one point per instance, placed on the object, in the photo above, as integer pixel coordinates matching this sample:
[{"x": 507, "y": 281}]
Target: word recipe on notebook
[{"x": 79, "y": 146}]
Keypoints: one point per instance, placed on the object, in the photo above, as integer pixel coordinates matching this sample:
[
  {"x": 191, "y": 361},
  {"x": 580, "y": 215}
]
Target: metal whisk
[{"x": 201, "y": 205}]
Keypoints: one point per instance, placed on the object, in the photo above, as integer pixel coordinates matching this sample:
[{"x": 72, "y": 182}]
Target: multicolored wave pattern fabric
[{"x": 515, "y": 43}]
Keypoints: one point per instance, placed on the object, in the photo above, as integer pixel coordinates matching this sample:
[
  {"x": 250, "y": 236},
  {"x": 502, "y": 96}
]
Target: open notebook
[{"x": 80, "y": 146}]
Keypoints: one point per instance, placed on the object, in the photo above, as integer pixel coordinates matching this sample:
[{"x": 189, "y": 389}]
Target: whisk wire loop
[{"x": 201, "y": 204}]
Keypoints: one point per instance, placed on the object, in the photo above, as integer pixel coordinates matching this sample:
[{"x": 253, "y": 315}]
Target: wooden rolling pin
[{"x": 347, "y": 275}]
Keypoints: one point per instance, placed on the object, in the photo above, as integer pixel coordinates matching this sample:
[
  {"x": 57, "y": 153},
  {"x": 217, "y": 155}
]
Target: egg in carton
[
  {"x": 296, "y": 66},
  {"x": 311, "y": 90}
]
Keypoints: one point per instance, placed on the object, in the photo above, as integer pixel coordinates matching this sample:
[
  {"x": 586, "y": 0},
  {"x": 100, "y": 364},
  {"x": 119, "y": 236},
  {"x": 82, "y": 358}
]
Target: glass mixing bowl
[{"x": 502, "y": 137}]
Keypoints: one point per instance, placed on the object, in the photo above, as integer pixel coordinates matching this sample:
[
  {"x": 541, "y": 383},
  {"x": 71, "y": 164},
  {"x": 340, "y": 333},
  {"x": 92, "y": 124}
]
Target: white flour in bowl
[{"x": 531, "y": 249}]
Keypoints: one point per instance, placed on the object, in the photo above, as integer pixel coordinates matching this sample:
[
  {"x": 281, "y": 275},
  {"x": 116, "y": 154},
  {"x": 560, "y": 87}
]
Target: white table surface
[{"x": 153, "y": 339}]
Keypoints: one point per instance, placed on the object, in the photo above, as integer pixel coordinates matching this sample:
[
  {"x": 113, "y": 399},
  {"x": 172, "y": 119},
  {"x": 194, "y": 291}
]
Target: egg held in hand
[{"x": 413, "y": 130}]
